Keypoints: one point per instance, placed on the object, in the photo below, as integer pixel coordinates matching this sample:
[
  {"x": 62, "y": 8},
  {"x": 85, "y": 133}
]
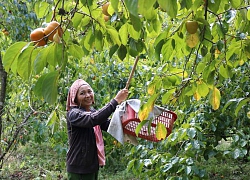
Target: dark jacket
[{"x": 82, "y": 155}]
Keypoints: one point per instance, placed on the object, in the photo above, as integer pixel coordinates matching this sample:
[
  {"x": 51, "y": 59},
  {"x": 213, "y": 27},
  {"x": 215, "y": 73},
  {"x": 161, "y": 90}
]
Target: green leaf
[
  {"x": 114, "y": 35},
  {"x": 147, "y": 162},
  {"x": 131, "y": 164},
  {"x": 52, "y": 118},
  {"x": 189, "y": 160},
  {"x": 197, "y": 4},
  {"x": 76, "y": 51},
  {"x": 225, "y": 71},
  {"x": 167, "y": 49},
  {"x": 154, "y": 86},
  {"x": 51, "y": 58},
  {"x": 166, "y": 82},
  {"x": 186, "y": 4},
  {"x": 76, "y": 20},
  {"x": 236, "y": 153},
  {"x": 158, "y": 48},
  {"x": 235, "y": 3},
  {"x": 188, "y": 170},
  {"x": 161, "y": 37},
  {"x": 46, "y": 55},
  {"x": 243, "y": 142},
  {"x": 214, "y": 5},
  {"x": 114, "y": 4},
  {"x": 191, "y": 132},
  {"x": 195, "y": 144},
  {"x": 167, "y": 167},
  {"x": 133, "y": 47},
  {"x": 235, "y": 47},
  {"x": 132, "y": 6},
  {"x": 174, "y": 137},
  {"x": 190, "y": 90},
  {"x": 248, "y": 14},
  {"x": 113, "y": 49},
  {"x": 40, "y": 60},
  {"x": 209, "y": 153},
  {"x": 46, "y": 87},
  {"x": 52, "y": 121},
  {"x": 122, "y": 52},
  {"x": 139, "y": 126},
  {"x": 89, "y": 40},
  {"x": 200, "y": 67},
  {"x": 202, "y": 89},
  {"x": 210, "y": 79},
  {"x": 87, "y": 2},
  {"x": 175, "y": 79},
  {"x": 241, "y": 102},
  {"x": 136, "y": 22},
  {"x": 160, "y": 131},
  {"x": 98, "y": 40},
  {"x": 59, "y": 58},
  {"x": 167, "y": 96},
  {"x": 84, "y": 22},
  {"x": 140, "y": 46},
  {"x": 25, "y": 62},
  {"x": 132, "y": 33},
  {"x": 123, "y": 31},
  {"x": 228, "y": 104},
  {"x": 151, "y": 101},
  {"x": 132, "y": 44},
  {"x": 156, "y": 25},
  {"x": 41, "y": 9},
  {"x": 12, "y": 54},
  {"x": 236, "y": 137},
  {"x": 146, "y": 8},
  {"x": 170, "y": 6}
]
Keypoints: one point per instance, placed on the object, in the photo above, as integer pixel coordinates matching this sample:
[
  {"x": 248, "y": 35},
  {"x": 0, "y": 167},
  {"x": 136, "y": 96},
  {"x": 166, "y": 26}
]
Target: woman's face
[{"x": 85, "y": 97}]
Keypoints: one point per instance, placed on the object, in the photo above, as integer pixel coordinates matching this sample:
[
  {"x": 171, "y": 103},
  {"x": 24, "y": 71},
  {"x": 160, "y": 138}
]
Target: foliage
[
  {"x": 34, "y": 161},
  {"x": 202, "y": 76},
  {"x": 44, "y": 164}
]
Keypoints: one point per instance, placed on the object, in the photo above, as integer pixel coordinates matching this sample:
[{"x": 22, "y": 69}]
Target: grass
[
  {"x": 119, "y": 175},
  {"x": 38, "y": 162},
  {"x": 33, "y": 161},
  {"x": 228, "y": 169}
]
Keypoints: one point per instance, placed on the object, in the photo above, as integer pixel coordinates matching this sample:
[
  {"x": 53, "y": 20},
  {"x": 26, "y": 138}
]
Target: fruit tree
[{"x": 193, "y": 59}]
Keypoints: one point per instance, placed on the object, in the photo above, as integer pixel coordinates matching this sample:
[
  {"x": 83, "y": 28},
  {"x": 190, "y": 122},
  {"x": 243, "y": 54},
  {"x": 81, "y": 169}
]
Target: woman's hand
[{"x": 121, "y": 96}]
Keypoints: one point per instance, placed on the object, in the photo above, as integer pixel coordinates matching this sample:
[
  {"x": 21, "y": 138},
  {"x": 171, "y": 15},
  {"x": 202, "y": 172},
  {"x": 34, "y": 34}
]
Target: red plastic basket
[{"x": 130, "y": 121}]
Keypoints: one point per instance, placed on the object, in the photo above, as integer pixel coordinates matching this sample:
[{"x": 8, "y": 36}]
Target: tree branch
[{"x": 3, "y": 82}]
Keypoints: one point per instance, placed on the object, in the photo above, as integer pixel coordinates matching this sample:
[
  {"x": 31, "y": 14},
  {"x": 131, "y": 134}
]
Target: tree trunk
[{"x": 3, "y": 81}]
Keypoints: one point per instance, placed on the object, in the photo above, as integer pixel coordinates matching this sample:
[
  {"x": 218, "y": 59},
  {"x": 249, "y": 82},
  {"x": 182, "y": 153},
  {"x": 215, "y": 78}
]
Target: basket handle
[{"x": 132, "y": 72}]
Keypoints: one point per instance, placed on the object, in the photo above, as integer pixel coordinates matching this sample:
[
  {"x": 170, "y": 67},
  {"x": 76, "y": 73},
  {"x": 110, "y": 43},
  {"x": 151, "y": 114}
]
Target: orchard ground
[{"x": 40, "y": 161}]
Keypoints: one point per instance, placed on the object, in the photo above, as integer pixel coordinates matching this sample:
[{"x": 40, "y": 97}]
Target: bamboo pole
[{"x": 132, "y": 72}]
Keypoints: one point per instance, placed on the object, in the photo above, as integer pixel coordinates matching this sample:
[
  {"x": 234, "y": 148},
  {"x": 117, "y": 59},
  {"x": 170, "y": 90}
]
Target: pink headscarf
[
  {"x": 98, "y": 132},
  {"x": 73, "y": 91}
]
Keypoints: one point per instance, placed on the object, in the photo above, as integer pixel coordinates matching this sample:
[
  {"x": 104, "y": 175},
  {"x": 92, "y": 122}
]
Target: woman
[{"x": 86, "y": 147}]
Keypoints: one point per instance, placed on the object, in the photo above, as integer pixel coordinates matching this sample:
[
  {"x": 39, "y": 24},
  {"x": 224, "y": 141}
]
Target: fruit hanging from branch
[
  {"x": 192, "y": 26},
  {"x": 6, "y": 32},
  {"x": 105, "y": 9},
  {"x": 106, "y": 18},
  {"x": 192, "y": 40},
  {"x": 38, "y": 37},
  {"x": 52, "y": 28}
]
